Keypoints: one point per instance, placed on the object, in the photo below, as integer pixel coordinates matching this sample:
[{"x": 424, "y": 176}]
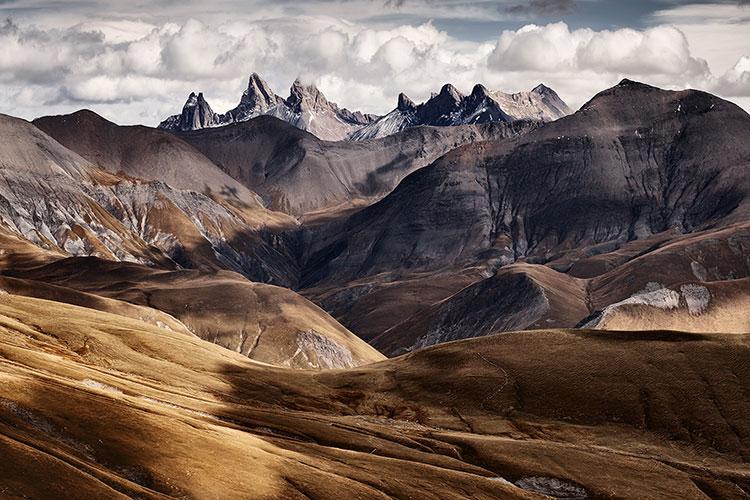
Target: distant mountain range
[
  {"x": 450, "y": 108},
  {"x": 308, "y": 109}
]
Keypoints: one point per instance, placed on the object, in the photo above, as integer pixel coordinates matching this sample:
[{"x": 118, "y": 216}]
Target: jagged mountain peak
[
  {"x": 305, "y": 108},
  {"x": 405, "y": 103},
  {"x": 449, "y": 91},
  {"x": 258, "y": 94},
  {"x": 300, "y": 94},
  {"x": 450, "y": 107},
  {"x": 542, "y": 89},
  {"x": 479, "y": 90},
  {"x": 191, "y": 101},
  {"x": 196, "y": 113}
]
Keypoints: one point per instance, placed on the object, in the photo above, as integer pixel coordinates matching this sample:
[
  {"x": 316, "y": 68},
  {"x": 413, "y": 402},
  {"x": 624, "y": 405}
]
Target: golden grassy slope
[
  {"x": 264, "y": 322},
  {"x": 142, "y": 411}
]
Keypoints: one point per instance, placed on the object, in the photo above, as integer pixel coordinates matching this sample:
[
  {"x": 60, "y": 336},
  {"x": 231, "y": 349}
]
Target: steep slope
[
  {"x": 637, "y": 157},
  {"x": 147, "y": 154},
  {"x": 46, "y": 196},
  {"x": 694, "y": 282},
  {"x": 112, "y": 416},
  {"x": 517, "y": 297},
  {"x": 60, "y": 201},
  {"x": 306, "y": 108},
  {"x": 297, "y": 173},
  {"x": 263, "y": 322},
  {"x": 449, "y": 108}
]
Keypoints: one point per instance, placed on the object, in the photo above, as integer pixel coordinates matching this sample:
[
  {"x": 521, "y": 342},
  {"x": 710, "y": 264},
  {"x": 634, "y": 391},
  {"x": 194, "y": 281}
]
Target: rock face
[
  {"x": 196, "y": 113},
  {"x": 306, "y": 108},
  {"x": 630, "y": 172},
  {"x": 256, "y": 100},
  {"x": 449, "y": 108},
  {"x": 144, "y": 153},
  {"x": 295, "y": 172},
  {"x": 635, "y": 156},
  {"x": 62, "y": 202},
  {"x": 47, "y": 196}
]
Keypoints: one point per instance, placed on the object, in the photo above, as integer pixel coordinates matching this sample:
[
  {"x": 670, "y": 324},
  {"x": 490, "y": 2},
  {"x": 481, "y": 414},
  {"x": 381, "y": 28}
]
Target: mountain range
[
  {"x": 450, "y": 107},
  {"x": 483, "y": 295},
  {"x": 307, "y": 109}
]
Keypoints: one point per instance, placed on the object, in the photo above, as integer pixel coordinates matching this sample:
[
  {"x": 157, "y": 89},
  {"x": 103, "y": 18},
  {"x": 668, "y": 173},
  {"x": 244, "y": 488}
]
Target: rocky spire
[
  {"x": 479, "y": 91},
  {"x": 258, "y": 96},
  {"x": 196, "y": 113},
  {"x": 404, "y": 103},
  {"x": 543, "y": 90},
  {"x": 450, "y": 92},
  {"x": 306, "y": 96}
]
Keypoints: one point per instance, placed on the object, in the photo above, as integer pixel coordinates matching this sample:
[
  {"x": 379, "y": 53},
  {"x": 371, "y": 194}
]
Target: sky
[{"x": 135, "y": 61}]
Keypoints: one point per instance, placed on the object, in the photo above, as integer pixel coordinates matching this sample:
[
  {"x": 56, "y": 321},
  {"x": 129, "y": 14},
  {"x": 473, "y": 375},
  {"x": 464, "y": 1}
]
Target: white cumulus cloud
[{"x": 138, "y": 72}]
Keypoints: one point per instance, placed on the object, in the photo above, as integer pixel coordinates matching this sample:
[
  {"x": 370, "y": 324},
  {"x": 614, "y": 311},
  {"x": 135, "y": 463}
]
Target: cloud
[
  {"x": 542, "y": 7},
  {"x": 141, "y": 72},
  {"x": 736, "y": 81},
  {"x": 659, "y": 51},
  {"x": 716, "y": 31}
]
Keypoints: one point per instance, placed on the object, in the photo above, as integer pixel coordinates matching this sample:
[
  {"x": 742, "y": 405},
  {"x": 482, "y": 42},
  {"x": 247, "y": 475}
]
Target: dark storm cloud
[{"x": 542, "y": 7}]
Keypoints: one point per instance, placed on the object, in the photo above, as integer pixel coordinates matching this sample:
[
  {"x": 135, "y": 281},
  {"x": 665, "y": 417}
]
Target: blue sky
[{"x": 136, "y": 61}]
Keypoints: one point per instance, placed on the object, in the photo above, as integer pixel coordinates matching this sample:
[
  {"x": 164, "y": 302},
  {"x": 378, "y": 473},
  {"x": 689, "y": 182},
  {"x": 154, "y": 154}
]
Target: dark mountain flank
[
  {"x": 604, "y": 195},
  {"x": 632, "y": 162},
  {"x": 296, "y": 172},
  {"x": 144, "y": 153}
]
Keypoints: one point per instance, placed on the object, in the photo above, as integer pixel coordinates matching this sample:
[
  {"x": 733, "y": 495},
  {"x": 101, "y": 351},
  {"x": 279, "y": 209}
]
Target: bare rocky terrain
[
  {"x": 297, "y": 173},
  {"x": 527, "y": 306},
  {"x": 625, "y": 178},
  {"x": 306, "y": 108}
]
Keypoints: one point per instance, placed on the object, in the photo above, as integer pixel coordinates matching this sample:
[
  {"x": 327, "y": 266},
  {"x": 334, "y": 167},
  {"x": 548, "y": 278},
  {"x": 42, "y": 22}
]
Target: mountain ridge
[
  {"x": 450, "y": 107},
  {"x": 305, "y": 108},
  {"x": 308, "y": 109}
]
